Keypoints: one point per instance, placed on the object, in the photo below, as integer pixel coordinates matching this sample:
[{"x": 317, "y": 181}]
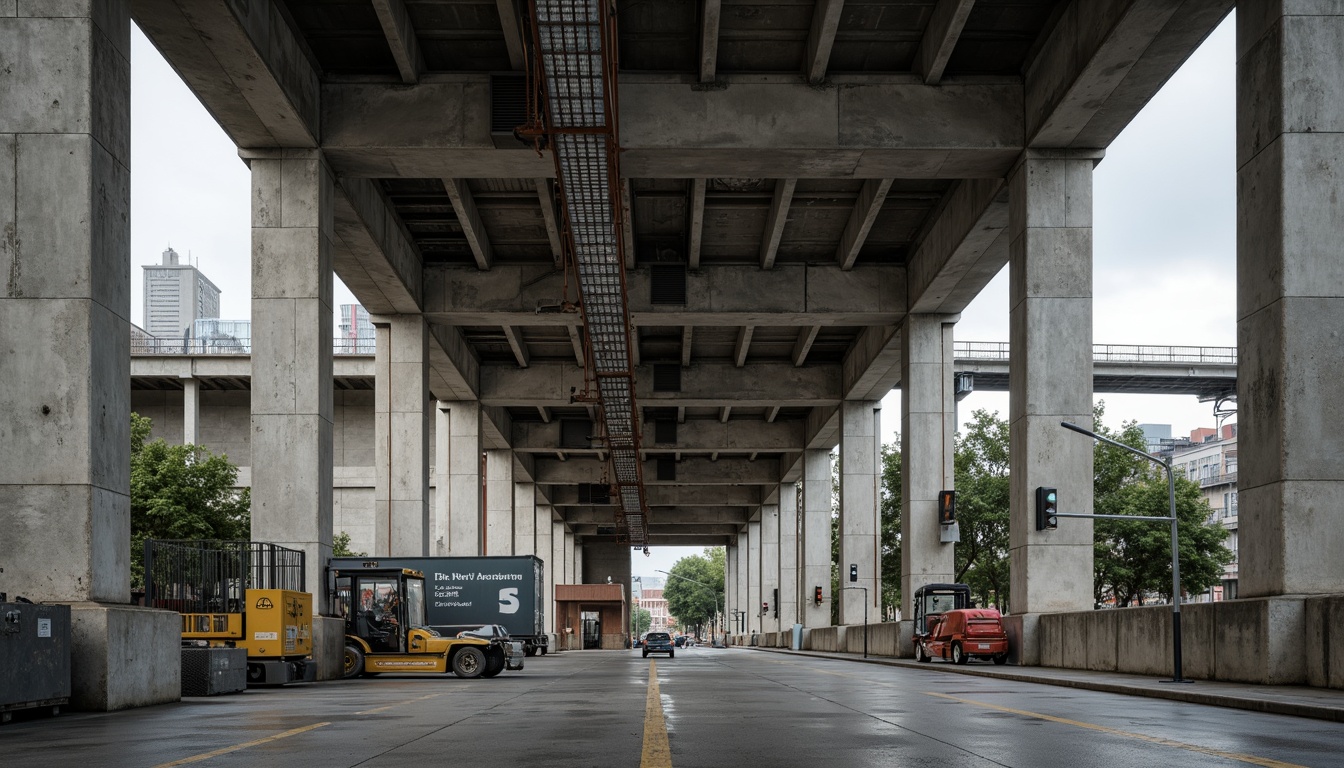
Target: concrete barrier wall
[
  {"x": 824, "y": 639},
  {"x": 882, "y": 638}
]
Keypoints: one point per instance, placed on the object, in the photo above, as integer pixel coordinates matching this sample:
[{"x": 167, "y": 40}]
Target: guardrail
[
  {"x": 1111, "y": 353},
  {"x": 231, "y": 346}
]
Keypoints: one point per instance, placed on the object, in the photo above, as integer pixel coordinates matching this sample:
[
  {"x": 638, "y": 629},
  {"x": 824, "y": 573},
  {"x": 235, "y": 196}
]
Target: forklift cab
[
  {"x": 380, "y": 605},
  {"x": 933, "y": 600}
]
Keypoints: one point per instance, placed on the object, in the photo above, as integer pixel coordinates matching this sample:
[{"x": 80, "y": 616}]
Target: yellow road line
[
  {"x": 236, "y": 747},
  {"x": 397, "y": 704},
  {"x": 657, "y": 752},
  {"x": 1126, "y": 734}
]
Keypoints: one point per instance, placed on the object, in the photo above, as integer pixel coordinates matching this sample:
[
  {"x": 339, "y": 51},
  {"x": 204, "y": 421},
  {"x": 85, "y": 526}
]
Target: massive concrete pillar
[
  {"x": 769, "y": 572},
  {"x": 545, "y": 527},
  {"x": 524, "y": 519},
  {"x": 1050, "y": 380},
  {"x": 458, "y": 499},
  {"x": 815, "y": 547},
  {"x": 401, "y": 436},
  {"x": 789, "y": 572},
  {"x": 292, "y": 233},
  {"x": 191, "y": 411},
  {"x": 860, "y": 533},
  {"x": 498, "y": 502},
  {"x": 1290, "y": 299},
  {"x": 741, "y": 622},
  {"x": 572, "y": 571},
  {"x": 928, "y": 426},
  {"x": 65, "y": 332},
  {"x": 754, "y": 596},
  {"x": 730, "y": 598}
]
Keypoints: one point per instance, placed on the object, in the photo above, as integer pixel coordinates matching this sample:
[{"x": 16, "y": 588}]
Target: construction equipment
[
  {"x": 237, "y": 594},
  {"x": 386, "y": 629}
]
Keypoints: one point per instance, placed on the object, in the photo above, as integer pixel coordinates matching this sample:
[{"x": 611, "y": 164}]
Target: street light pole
[{"x": 712, "y": 591}]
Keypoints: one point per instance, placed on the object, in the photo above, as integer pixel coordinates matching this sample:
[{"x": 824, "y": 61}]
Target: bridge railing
[
  {"x": 232, "y": 345},
  {"x": 1112, "y": 353}
]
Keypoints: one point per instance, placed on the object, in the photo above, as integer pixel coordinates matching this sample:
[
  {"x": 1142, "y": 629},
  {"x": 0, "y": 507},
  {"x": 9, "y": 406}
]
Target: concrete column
[
  {"x": 65, "y": 332},
  {"x": 401, "y": 436},
  {"x": 578, "y": 561},
  {"x": 860, "y": 534},
  {"x": 292, "y": 233},
  {"x": 498, "y": 502},
  {"x": 754, "y": 596},
  {"x": 571, "y": 551},
  {"x": 459, "y": 448},
  {"x": 191, "y": 411},
  {"x": 741, "y": 622},
  {"x": 789, "y": 572},
  {"x": 730, "y": 599},
  {"x": 545, "y": 550},
  {"x": 815, "y": 547},
  {"x": 928, "y": 426},
  {"x": 769, "y": 573},
  {"x": 1290, "y": 300},
  {"x": 1050, "y": 380},
  {"x": 524, "y": 519}
]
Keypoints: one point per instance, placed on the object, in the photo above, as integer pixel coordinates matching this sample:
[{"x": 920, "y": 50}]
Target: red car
[{"x": 963, "y": 634}]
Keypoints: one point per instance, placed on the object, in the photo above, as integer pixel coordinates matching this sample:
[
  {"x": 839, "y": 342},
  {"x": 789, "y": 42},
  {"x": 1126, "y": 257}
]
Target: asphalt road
[{"x": 706, "y": 707}]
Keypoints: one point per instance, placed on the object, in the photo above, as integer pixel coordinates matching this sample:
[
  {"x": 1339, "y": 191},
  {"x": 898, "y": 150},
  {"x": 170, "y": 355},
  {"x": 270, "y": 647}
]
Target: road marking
[
  {"x": 657, "y": 752},
  {"x": 397, "y": 704},
  {"x": 245, "y": 745},
  {"x": 1126, "y": 734}
]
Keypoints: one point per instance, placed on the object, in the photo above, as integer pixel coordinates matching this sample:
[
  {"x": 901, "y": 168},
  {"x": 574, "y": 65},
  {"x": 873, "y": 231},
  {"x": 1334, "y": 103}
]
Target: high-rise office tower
[
  {"x": 356, "y": 334},
  {"x": 176, "y": 296}
]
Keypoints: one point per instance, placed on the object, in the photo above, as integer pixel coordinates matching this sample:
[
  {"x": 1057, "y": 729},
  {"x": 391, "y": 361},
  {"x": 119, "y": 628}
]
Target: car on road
[
  {"x": 962, "y": 634},
  {"x": 659, "y": 642},
  {"x": 680, "y": 641}
]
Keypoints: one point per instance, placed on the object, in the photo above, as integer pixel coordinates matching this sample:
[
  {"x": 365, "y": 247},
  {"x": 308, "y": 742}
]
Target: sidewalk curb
[{"x": 1188, "y": 694}]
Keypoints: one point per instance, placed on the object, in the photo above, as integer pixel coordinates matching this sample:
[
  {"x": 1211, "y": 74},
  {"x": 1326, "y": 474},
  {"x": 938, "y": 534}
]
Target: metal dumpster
[{"x": 34, "y": 657}]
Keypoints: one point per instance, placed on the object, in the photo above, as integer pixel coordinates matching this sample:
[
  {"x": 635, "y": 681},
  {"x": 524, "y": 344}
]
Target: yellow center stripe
[
  {"x": 1252, "y": 759},
  {"x": 398, "y": 704},
  {"x": 657, "y": 752},
  {"x": 245, "y": 745}
]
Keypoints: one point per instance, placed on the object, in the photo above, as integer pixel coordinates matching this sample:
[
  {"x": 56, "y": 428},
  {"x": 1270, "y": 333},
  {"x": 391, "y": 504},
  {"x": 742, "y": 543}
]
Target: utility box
[
  {"x": 212, "y": 671},
  {"x": 34, "y": 657}
]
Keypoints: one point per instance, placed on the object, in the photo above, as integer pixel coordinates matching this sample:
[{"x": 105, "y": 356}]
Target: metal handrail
[
  {"x": 1111, "y": 353},
  {"x": 232, "y": 346}
]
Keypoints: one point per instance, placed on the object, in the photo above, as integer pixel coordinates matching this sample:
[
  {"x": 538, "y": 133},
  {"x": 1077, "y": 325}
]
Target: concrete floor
[{"x": 721, "y": 707}]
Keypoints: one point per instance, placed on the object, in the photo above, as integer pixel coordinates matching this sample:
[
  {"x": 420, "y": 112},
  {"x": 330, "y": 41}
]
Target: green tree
[
  {"x": 891, "y": 527},
  {"x": 340, "y": 546},
  {"x": 982, "y": 484},
  {"x": 691, "y": 602},
  {"x": 181, "y": 492},
  {"x": 643, "y": 619}
]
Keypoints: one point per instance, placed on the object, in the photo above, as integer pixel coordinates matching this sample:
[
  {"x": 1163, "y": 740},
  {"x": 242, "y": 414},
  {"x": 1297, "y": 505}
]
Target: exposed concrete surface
[
  {"x": 124, "y": 656},
  {"x": 329, "y": 647}
]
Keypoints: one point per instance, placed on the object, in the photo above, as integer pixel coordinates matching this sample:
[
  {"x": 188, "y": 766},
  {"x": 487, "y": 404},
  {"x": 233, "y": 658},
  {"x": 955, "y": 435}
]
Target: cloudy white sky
[{"x": 1164, "y": 237}]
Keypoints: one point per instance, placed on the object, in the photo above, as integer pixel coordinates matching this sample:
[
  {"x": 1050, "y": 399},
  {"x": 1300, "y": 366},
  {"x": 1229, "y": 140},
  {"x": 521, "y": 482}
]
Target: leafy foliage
[
  {"x": 340, "y": 546},
  {"x": 696, "y": 603},
  {"x": 890, "y": 504},
  {"x": 982, "y": 481},
  {"x": 643, "y": 620},
  {"x": 181, "y": 492}
]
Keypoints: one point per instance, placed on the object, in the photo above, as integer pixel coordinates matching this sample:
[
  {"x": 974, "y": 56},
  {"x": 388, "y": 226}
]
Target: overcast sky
[{"x": 1164, "y": 217}]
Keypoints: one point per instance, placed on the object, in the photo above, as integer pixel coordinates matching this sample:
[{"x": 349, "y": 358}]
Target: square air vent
[
  {"x": 666, "y": 377},
  {"x": 594, "y": 493},
  {"x": 508, "y": 109},
  {"x": 667, "y": 284},
  {"x": 665, "y": 431},
  {"x": 576, "y": 433},
  {"x": 667, "y": 470}
]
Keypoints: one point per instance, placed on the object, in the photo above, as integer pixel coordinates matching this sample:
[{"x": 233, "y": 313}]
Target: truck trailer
[{"x": 465, "y": 593}]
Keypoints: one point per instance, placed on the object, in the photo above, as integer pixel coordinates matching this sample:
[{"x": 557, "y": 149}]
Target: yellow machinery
[
  {"x": 238, "y": 594},
  {"x": 386, "y": 631}
]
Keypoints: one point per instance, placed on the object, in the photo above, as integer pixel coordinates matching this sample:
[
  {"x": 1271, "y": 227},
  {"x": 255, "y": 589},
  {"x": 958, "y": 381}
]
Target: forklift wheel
[
  {"x": 469, "y": 662},
  {"x": 354, "y": 662},
  {"x": 529, "y": 650}
]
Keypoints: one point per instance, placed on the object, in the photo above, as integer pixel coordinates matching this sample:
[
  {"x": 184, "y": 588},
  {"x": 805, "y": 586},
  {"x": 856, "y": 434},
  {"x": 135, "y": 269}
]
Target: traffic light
[
  {"x": 947, "y": 507},
  {"x": 765, "y": 608},
  {"x": 1047, "y": 505},
  {"x": 816, "y": 595},
  {"x": 853, "y": 571}
]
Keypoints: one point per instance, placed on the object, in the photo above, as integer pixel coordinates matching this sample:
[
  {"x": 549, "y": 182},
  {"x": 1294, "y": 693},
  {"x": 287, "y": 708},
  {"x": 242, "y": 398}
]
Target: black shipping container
[{"x": 470, "y": 592}]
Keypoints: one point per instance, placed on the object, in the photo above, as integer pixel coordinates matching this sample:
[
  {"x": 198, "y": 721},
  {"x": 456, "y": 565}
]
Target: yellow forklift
[{"x": 386, "y": 629}]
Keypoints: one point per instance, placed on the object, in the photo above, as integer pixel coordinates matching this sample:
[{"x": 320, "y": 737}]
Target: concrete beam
[
  {"x": 866, "y": 208},
  {"x": 806, "y": 337},
  {"x": 695, "y": 225},
  {"x": 940, "y": 38},
  {"x": 660, "y": 496},
  {"x": 663, "y": 540},
  {"x": 628, "y": 229},
  {"x": 576, "y": 341},
  {"x": 690, "y": 472},
  {"x": 670, "y": 530},
  {"x": 455, "y": 371},
  {"x": 694, "y": 436},
  {"x": 686, "y": 515},
  {"x": 400, "y": 34},
  {"x": 721, "y": 295},
  {"x": 774, "y": 223},
  {"x": 513, "y": 33},
  {"x": 515, "y": 338},
  {"x": 966, "y": 246},
  {"x": 470, "y": 219},
  {"x": 743, "y": 345},
  {"x": 380, "y": 263},
  {"x": 872, "y": 367},
  {"x": 707, "y": 385},
  {"x": 686, "y": 334},
  {"x": 709, "y": 39},
  {"x": 546, "y": 198},
  {"x": 245, "y": 64},
  {"x": 825, "y": 22}
]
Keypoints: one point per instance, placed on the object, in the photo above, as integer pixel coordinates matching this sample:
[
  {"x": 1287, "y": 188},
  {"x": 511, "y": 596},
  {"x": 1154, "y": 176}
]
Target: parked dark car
[
  {"x": 659, "y": 642},
  {"x": 680, "y": 642}
]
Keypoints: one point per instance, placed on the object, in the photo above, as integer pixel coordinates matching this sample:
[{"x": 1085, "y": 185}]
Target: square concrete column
[
  {"x": 1050, "y": 380},
  {"x": 545, "y": 526},
  {"x": 191, "y": 411},
  {"x": 769, "y": 572},
  {"x": 524, "y": 519},
  {"x": 571, "y": 565},
  {"x": 1290, "y": 297},
  {"x": 742, "y": 623},
  {"x": 458, "y": 502},
  {"x": 730, "y": 600},
  {"x": 401, "y": 436},
  {"x": 754, "y": 595},
  {"x": 789, "y": 573},
  {"x": 860, "y": 533},
  {"x": 578, "y": 559},
  {"x": 815, "y": 546},
  {"x": 928, "y": 426},
  {"x": 65, "y": 192},
  {"x": 498, "y": 502}
]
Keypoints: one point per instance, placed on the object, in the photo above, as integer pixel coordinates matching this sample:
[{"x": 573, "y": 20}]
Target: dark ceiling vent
[
  {"x": 667, "y": 284},
  {"x": 594, "y": 493},
  {"x": 666, "y": 377},
  {"x": 576, "y": 433},
  {"x": 665, "y": 431},
  {"x": 667, "y": 470},
  {"x": 508, "y": 109}
]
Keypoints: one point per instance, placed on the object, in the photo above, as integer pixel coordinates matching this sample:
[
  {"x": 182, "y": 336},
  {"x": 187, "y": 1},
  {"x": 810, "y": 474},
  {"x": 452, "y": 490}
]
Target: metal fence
[
  {"x": 231, "y": 346},
  {"x": 1111, "y": 353},
  {"x": 212, "y": 576}
]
